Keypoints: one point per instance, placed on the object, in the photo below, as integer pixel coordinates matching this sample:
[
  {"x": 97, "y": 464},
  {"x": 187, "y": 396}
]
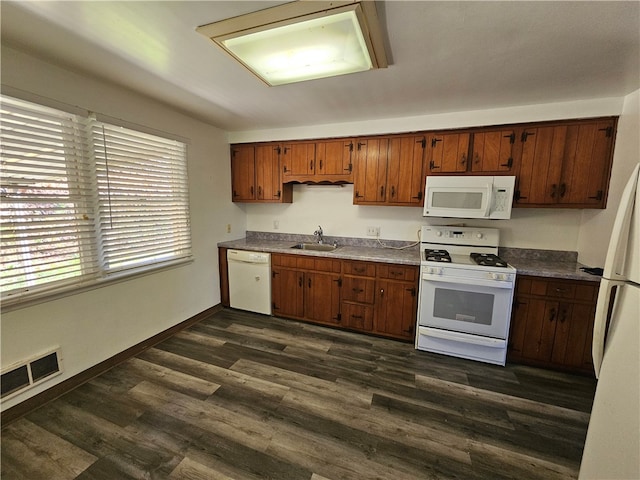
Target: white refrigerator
[{"x": 612, "y": 446}]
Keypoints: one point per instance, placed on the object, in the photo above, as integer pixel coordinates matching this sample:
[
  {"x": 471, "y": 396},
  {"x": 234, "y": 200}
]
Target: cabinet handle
[
  {"x": 433, "y": 166},
  {"x": 553, "y": 315},
  {"x": 358, "y": 269},
  {"x": 309, "y": 282},
  {"x": 434, "y": 141},
  {"x": 356, "y": 317},
  {"x": 382, "y": 191},
  {"x": 463, "y": 160},
  {"x": 235, "y": 194},
  {"x": 563, "y": 189},
  {"x": 382, "y": 292},
  {"x": 563, "y": 315},
  {"x": 554, "y": 189},
  {"x": 476, "y": 159},
  {"x": 518, "y": 196},
  {"x": 525, "y": 135},
  {"x": 259, "y": 191},
  {"x": 358, "y": 194},
  {"x": 357, "y": 290},
  {"x": 251, "y": 190},
  {"x": 511, "y": 137},
  {"x": 608, "y": 131},
  {"x": 561, "y": 290},
  {"x": 284, "y": 168},
  {"x": 598, "y": 196},
  {"x": 418, "y": 196},
  {"x": 278, "y": 193},
  {"x": 311, "y": 165},
  {"x": 349, "y": 168},
  {"x": 320, "y": 164},
  {"x": 509, "y": 163},
  {"x": 300, "y": 281},
  {"x": 393, "y": 191}
]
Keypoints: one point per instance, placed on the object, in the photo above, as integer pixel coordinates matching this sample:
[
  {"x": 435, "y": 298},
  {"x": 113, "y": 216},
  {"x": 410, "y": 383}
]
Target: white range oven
[{"x": 466, "y": 293}]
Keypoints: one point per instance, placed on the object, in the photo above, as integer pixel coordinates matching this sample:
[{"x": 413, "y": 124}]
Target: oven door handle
[
  {"x": 462, "y": 337},
  {"x": 427, "y": 277}
]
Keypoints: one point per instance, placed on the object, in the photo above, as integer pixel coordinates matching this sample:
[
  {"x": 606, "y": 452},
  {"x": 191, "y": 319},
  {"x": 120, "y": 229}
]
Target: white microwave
[{"x": 469, "y": 196}]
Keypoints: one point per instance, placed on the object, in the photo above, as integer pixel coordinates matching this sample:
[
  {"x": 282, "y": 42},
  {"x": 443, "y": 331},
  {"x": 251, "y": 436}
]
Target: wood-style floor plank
[{"x": 248, "y": 396}]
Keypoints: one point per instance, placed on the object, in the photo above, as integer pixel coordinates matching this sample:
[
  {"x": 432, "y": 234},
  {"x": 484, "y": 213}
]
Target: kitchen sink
[{"x": 318, "y": 247}]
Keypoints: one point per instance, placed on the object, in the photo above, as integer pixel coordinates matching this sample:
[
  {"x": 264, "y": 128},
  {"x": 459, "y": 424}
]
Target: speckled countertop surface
[{"x": 541, "y": 263}]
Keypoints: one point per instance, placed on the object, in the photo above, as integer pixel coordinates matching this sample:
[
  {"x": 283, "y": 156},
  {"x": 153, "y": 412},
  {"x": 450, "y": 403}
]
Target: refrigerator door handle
[
  {"x": 621, "y": 228},
  {"x": 600, "y": 322}
]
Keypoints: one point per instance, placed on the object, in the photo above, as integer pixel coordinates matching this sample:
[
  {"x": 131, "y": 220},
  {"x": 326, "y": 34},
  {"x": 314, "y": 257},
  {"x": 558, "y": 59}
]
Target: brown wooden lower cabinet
[
  {"x": 362, "y": 296},
  {"x": 552, "y": 323}
]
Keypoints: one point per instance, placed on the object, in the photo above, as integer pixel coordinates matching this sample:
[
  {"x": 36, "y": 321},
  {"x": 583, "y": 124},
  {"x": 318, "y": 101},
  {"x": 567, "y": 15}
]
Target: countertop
[{"x": 541, "y": 263}]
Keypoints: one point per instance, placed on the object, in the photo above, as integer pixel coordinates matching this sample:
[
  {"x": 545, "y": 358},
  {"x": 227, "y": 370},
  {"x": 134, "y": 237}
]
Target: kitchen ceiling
[{"x": 444, "y": 57}]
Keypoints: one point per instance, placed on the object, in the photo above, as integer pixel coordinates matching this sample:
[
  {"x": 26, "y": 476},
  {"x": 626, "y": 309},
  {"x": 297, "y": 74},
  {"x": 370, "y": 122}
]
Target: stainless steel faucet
[{"x": 318, "y": 233}]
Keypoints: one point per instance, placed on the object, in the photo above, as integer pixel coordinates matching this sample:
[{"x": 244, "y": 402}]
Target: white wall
[
  {"x": 595, "y": 225},
  {"x": 332, "y": 207},
  {"x": 95, "y": 325}
]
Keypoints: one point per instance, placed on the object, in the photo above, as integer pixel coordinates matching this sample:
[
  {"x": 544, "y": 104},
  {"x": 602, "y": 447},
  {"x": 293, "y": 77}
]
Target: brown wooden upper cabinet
[
  {"x": 566, "y": 164},
  {"x": 493, "y": 151},
  {"x": 449, "y": 152},
  {"x": 486, "y": 151},
  {"x": 255, "y": 174},
  {"x": 389, "y": 171},
  {"x": 557, "y": 164},
  {"x": 318, "y": 161}
]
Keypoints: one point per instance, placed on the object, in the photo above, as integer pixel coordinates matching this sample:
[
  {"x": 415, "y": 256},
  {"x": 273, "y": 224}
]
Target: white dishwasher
[{"x": 249, "y": 280}]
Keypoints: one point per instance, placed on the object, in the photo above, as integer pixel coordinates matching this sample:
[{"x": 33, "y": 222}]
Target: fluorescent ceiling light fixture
[{"x": 303, "y": 40}]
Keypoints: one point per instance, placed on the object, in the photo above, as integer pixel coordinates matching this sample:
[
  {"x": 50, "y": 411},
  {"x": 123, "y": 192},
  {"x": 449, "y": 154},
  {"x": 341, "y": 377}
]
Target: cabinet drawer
[
  {"x": 364, "y": 269},
  {"x": 357, "y": 316},
  {"x": 358, "y": 289},
  {"x": 306, "y": 263},
  {"x": 397, "y": 272},
  {"x": 560, "y": 290}
]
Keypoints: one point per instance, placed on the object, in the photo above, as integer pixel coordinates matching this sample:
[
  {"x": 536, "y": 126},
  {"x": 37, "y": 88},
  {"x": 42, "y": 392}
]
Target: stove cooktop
[{"x": 473, "y": 259}]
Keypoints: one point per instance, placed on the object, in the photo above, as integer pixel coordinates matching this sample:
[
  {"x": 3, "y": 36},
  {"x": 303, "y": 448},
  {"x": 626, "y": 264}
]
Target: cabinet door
[
  {"x": 322, "y": 297},
  {"x": 449, "y": 152},
  {"x": 538, "y": 328},
  {"x": 287, "y": 292},
  {"x": 538, "y": 181},
  {"x": 371, "y": 171},
  {"x": 333, "y": 158},
  {"x": 358, "y": 289},
  {"x": 268, "y": 181},
  {"x": 405, "y": 181},
  {"x": 493, "y": 151},
  {"x": 396, "y": 308},
  {"x": 243, "y": 173},
  {"x": 572, "y": 343},
  {"x": 298, "y": 159},
  {"x": 586, "y": 164}
]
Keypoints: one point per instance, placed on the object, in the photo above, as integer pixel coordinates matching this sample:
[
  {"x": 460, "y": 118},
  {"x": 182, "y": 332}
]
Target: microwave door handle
[{"x": 489, "y": 200}]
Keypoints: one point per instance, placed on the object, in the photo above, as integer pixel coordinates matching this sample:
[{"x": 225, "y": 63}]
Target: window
[{"x": 83, "y": 201}]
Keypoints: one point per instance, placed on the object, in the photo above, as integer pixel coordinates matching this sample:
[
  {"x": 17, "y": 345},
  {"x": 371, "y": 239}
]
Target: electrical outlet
[
  {"x": 228, "y": 228},
  {"x": 373, "y": 231}
]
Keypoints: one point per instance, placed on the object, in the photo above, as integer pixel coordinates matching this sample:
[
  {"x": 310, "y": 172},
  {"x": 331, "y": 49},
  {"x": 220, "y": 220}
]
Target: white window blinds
[
  {"x": 82, "y": 200},
  {"x": 143, "y": 197}
]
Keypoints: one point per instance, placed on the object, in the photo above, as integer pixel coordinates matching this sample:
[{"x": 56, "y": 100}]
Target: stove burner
[
  {"x": 488, "y": 260},
  {"x": 437, "y": 256}
]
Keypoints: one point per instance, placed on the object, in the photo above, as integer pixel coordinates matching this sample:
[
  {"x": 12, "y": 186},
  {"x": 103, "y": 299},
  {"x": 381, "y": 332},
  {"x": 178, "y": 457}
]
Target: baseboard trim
[{"x": 30, "y": 404}]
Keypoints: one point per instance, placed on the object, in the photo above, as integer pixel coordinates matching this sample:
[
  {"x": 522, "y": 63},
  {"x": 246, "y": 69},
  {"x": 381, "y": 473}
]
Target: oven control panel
[{"x": 472, "y": 236}]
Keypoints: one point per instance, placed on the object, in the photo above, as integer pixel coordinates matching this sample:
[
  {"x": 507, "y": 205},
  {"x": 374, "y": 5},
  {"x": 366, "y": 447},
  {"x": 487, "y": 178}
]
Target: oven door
[{"x": 475, "y": 306}]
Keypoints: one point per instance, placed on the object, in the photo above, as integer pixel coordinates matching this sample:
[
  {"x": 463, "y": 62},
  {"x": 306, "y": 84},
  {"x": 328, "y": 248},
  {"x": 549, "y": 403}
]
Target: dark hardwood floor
[{"x": 245, "y": 396}]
